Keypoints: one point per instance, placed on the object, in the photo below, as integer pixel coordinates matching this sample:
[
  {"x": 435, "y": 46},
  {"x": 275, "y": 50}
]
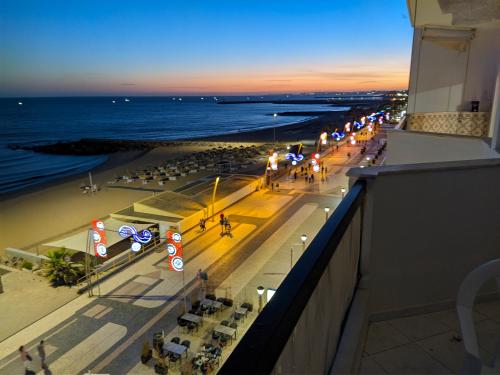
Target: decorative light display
[
  {"x": 136, "y": 247},
  {"x": 273, "y": 161},
  {"x": 347, "y": 127},
  {"x": 174, "y": 248},
  {"x": 99, "y": 237},
  {"x": 294, "y": 154},
  {"x": 143, "y": 236},
  {"x": 315, "y": 162},
  {"x": 337, "y": 135},
  {"x": 323, "y": 138}
]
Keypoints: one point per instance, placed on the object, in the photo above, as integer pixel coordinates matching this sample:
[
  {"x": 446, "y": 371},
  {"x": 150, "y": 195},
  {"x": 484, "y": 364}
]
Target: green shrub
[{"x": 28, "y": 265}]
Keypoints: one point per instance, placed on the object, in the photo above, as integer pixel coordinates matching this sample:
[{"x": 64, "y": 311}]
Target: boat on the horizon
[{"x": 127, "y": 100}]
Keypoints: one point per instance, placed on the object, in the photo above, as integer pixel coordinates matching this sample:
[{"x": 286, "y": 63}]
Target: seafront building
[{"x": 376, "y": 290}]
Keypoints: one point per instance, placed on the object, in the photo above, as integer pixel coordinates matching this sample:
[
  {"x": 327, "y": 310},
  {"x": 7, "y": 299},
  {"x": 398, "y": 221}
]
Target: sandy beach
[{"x": 32, "y": 217}]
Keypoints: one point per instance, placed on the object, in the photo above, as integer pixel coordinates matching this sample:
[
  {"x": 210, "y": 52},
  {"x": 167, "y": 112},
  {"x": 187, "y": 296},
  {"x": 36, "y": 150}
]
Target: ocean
[{"x": 48, "y": 120}]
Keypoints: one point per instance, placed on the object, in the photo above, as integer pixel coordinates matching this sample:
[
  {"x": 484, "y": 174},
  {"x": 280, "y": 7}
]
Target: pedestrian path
[
  {"x": 173, "y": 283},
  {"x": 245, "y": 272},
  {"x": 82, "y": 355}
]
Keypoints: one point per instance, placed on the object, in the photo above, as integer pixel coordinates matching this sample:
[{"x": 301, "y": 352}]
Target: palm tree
[{"x": 60, "y": 270}]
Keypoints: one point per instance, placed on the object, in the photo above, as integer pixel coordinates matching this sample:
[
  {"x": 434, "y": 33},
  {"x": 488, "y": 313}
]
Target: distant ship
[
  {"x": 114, "y": 101},
  {"x": 127, "y": 100},
  {"x": 20, "y": 103}
]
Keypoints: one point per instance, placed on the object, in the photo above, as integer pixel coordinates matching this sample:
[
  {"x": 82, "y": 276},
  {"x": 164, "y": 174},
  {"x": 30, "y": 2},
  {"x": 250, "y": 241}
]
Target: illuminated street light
[
  {"x": 343, "y": 190},
  {"x": 213, "y": 197},
  {"x": 327, "y": 209},
  {"x": 260, "y": 292},
  {"x": 303, "y": 238}
]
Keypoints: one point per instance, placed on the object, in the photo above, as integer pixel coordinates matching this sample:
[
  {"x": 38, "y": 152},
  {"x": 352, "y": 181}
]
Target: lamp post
[
  {"x": 343, "y": 192},
  {"x": 327, "y": 209},
  {"x": 260, "y": 292},
  {"x": 213, "y": 198},
  {"x": 303, "y": 238}
]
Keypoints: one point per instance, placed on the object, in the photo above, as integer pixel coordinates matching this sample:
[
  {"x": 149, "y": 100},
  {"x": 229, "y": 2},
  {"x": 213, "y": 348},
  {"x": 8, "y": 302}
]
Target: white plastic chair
[{"x": 465, "y": 303}]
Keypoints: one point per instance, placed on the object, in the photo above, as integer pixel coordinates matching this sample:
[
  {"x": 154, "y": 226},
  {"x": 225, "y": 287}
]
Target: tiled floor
[{"x": 429, "y": 343}]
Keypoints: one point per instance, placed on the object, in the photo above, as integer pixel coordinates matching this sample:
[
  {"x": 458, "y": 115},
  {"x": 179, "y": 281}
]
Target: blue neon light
[{"x": 144, "y": 236}]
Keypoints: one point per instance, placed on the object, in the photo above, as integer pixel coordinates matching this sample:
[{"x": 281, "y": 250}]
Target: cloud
[{"x": 128, "y": 84}]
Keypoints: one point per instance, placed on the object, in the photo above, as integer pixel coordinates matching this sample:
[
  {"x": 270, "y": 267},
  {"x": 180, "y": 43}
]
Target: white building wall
[
  {"x": 484, "y": 63},
  {"x": 443, "y": 79}
]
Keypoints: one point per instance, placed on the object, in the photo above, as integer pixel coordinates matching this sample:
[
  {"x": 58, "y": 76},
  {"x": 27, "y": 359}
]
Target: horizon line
[{"x": 131, "y": 95}]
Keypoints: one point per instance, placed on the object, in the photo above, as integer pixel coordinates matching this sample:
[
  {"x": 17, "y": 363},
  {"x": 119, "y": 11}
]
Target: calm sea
[{"x": 46, "y": 120}]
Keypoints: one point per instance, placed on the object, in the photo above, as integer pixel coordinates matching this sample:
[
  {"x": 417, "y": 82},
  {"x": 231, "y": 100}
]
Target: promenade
[{"x": 104, "y": 334}]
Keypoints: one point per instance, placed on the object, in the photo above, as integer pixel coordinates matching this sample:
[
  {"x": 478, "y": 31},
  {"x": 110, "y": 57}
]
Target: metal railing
[{"x": 299, "y": 329}]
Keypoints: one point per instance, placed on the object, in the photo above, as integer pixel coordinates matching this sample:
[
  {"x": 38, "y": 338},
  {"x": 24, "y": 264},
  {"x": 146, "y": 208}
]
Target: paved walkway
[{"x": 105, "y": 333}]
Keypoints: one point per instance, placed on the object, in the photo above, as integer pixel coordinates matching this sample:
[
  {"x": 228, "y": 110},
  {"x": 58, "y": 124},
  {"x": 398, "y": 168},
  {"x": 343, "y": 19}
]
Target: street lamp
[
  {"x": 260, "y": 292},
  {"x": 327, "y": 209},
  {"x": 213, "y": 197},
  {"x": 343, "y": 192},
  {"x": 303, "y": 238}
]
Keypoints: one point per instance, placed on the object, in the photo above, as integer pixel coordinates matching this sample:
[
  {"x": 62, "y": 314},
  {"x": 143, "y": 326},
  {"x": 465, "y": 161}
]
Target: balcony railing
[{"x": 299, "y": 329}]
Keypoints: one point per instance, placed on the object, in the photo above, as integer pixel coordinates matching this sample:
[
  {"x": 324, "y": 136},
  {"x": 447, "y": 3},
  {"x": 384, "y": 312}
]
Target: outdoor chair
[
  {"x": 176, "y": 340},
  {"x": 224, "y": 323},
  {"x": 173, "y": 358},
  {"x": 195, "y": 305},
  {"x": 247, "y": 306},
  {"x": 465, "y": 303},
  {"x": 186, "y": 343},
  {"x": 211, "y": 297},
  {"x": 233, "y": 325},
  {"x": 236, "y": 316},
  {"x": 215, "y": 335},
  {"x": 223, "y": 340},
  {"x": 191, "y": 327}
]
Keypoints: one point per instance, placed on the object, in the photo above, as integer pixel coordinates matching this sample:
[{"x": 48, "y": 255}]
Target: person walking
[
  {"x": 26, "y": 359},
  {"x": 41, "y": 351}
]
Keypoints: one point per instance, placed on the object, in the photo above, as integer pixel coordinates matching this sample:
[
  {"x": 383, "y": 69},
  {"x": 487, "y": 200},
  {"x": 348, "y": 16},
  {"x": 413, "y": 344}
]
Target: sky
[{"x": 108, "y": 47}]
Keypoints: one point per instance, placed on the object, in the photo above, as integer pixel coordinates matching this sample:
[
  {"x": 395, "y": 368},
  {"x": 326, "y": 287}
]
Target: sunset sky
[{"x": 97, "y": 47}]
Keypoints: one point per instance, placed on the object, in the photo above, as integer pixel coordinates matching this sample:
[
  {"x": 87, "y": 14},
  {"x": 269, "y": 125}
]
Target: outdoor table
[
  {"x": 225, "y": 330},
  {"x": 241, "y": 311},
  {"x": 193, "y": 318},
  {"x": 211, "y": 303},
  {"x": 172, "y": 347}
]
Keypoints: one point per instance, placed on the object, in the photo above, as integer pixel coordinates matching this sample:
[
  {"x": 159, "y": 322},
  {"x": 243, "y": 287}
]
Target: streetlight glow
[
  {"x": 260, "y": 290},
  {"x": 303, "y": 238}
]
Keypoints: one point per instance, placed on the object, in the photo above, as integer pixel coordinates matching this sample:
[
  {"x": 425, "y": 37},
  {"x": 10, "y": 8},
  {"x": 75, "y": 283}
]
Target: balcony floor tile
[
  {"x": 409, "y": 359},
  {"x": 383, "y": 336}
]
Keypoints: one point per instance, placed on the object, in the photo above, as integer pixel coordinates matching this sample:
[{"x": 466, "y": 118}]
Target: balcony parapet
[{"x": 459, "y": 123}]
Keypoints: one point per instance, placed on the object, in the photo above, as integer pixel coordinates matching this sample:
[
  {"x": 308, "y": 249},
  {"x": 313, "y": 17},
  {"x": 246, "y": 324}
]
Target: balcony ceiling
[{"x": 466, "y": 13}]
